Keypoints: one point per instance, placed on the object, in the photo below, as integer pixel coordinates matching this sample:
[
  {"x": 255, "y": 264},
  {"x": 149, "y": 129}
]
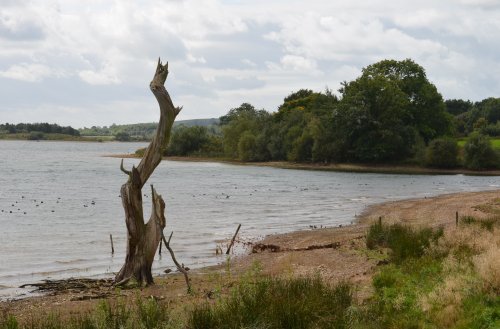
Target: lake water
[{"x": 59, "y": 202}]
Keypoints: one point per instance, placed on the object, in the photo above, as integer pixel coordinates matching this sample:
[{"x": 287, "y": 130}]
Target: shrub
[
  {"x": 403, "y": 241},
  {"x": 442, "y": 153},
  {"x": 478, "y": 153},
  {"x": 140, "y": 152},
  {"x": 122, "y": 136}
]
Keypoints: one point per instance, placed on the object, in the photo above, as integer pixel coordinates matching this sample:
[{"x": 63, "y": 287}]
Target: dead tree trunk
[{"x": 143, "y": 238}]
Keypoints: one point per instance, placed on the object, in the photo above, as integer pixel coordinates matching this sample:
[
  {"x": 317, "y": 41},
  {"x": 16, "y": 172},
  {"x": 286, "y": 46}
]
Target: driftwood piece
[{"x": 261, "y": 247}]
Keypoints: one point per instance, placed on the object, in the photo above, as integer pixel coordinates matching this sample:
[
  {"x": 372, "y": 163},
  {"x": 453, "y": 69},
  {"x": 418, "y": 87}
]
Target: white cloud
[
  {"x": 248, "y": 62},
  {"x": 298, "y": 63},
  {"x": 98, "y": 78},
  {"x": 485, "y": 3},
  {"x": 193, "y": 59},
  {"x": 27, "y": 72},
  {"x": 223, "y": 53},
  {"x": 105, "y": 76}
]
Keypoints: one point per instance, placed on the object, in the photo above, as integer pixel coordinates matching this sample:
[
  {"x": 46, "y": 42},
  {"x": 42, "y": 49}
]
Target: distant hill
[{"x": 143, "y": 131}]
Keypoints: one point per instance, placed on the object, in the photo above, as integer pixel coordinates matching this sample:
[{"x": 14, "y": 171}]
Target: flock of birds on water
[
  {"x": 38, "y": 203},
  {"x": 16, "y": 207}
]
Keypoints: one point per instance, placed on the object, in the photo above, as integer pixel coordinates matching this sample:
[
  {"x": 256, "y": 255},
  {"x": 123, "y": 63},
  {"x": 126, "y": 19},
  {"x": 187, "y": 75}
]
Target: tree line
[
  {"x": 37, "y": 127},
  {"x": 138, "y": 131},
  {"x": 391, "y": 113}
]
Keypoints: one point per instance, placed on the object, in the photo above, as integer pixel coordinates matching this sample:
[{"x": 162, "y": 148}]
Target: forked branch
[{"x": 179, "y": 266}]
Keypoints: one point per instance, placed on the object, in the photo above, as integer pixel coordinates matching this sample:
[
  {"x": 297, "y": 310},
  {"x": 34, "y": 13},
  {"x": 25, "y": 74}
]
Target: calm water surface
[{"x": 59, "y": 202}]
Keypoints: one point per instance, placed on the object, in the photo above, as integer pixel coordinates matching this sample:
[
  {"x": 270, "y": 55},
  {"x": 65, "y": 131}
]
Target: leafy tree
[
  {"x": 442, "y": 153},
  {"x": 247, "y": 147},
  {"x": 244, "y": 110},
  {"x": 480, "y": 124},
  {"x": 122, "y": 136},
  {"x": 490, "y": 109},
  {"x": 481, "y": 115},
  {"x": 297, "y": 126},
  {"x": 385, "y": 111},
  {"x": 478, "y": 153},
  {"x": 457, "y": 106},
  {"x": 426, "y": 109},
  {"x": 244, "y": 118}
]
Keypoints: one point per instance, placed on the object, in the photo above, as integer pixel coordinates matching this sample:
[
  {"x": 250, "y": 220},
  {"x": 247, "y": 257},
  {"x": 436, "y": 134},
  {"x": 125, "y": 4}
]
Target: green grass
[
  {"x": 277, "y": 303},
  {"x": 146, "y": 313},
  {"x": 395, "y": 303},
  {"x": 495, "y": 142}
]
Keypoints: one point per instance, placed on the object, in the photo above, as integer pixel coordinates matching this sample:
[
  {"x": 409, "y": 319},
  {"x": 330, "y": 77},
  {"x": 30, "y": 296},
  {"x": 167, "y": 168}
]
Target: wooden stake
[
  {"x": 161, "y": 242},
  {"x": 456, "y": 218},
  {"x": 112, "y": 247},
  {"x": 232, "y": 241}
]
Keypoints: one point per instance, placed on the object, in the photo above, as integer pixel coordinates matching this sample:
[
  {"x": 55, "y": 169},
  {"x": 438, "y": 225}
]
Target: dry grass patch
[{"x": 488, "y": 268}]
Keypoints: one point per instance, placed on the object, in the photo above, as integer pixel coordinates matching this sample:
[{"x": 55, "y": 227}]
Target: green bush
[
  {"x": 442, "y": 153},
  {"x": 36, "y": 135},
  {"x": 478, "y": 153},
  {"x": 403, "y": 241},
  {"x": 278, "y": 303}
]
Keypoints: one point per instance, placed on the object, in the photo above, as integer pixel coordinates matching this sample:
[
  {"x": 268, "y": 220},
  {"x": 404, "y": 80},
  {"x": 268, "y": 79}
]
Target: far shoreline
[{"x": 338, "y": 167}]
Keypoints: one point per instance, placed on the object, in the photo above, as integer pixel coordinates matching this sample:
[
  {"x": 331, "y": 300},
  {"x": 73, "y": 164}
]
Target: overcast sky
[{"x": 89, "y": 62}]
